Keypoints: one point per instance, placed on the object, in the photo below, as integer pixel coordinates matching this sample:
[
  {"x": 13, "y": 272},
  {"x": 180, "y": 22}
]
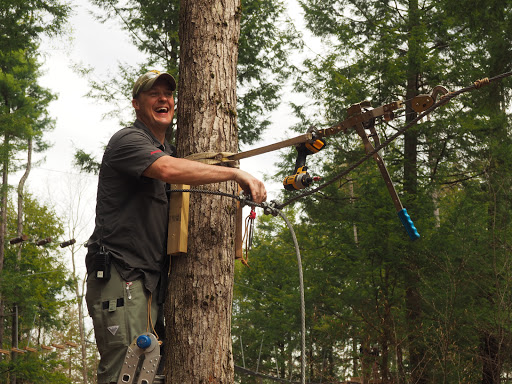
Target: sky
[{"x": 80, "y": 123}]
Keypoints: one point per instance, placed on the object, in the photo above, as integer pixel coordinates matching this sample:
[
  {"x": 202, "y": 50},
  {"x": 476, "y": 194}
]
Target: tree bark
[{"x": 198, "y": 306}]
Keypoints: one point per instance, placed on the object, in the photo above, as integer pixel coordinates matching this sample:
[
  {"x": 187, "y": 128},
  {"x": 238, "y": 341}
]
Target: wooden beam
[{"x": 272, "y": 147}]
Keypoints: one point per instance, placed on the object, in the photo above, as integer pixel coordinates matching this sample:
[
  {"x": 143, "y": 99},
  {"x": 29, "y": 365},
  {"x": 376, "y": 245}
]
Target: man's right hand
[{"x": 251, "y": 185}]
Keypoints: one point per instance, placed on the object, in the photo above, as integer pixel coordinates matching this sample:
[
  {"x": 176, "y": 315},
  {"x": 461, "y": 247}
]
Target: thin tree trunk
[
  {"x": 79, "y": 299},
  {"x": 19, "y": 224},
  {"x": 198, "y": 307}
]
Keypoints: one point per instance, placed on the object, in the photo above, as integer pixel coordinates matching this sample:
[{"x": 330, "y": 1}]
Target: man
[{"x": 126, "y": 251}]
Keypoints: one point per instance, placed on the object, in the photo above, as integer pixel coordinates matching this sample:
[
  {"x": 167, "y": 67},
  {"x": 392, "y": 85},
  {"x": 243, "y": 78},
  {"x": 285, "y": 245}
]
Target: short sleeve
[{"x": 130, "y": 151}]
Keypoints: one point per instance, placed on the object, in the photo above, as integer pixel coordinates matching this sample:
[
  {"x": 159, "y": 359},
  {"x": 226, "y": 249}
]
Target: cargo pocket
[
  {"x": 106, "y": 305},
  {"x": 114, "y": 320}
]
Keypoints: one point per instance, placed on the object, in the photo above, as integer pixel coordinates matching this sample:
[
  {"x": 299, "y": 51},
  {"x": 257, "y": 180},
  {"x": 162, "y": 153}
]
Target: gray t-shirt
[{"x": 131, "y": 210}]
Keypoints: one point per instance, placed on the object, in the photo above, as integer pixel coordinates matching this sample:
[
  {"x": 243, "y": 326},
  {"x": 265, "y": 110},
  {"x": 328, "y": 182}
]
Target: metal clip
[
  {"x": 269, "y": 208},
  {"x": 244, "y": 198}
]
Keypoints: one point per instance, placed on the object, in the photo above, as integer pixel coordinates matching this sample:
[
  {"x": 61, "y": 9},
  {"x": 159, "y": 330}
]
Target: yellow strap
[{"x": 214, "y": 158}]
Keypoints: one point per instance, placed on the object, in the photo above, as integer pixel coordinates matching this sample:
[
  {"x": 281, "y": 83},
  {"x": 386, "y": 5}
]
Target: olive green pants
[{"x": 119, "y": 312}]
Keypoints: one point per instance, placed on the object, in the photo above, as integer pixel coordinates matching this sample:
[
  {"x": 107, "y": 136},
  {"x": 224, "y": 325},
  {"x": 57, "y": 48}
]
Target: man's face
[{"x": 155, "y": 108}]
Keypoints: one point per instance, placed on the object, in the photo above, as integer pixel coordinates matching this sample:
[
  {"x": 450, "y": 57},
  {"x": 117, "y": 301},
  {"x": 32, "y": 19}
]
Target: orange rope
[{"x": 150, "y": 320}]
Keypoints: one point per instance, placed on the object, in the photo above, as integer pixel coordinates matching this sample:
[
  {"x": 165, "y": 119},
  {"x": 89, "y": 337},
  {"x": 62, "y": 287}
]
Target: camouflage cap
[{"x": 146, "y": 81}]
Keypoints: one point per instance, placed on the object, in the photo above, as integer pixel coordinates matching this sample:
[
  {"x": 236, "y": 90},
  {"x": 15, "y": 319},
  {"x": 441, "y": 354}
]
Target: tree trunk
[
  {"x": 79, "y": 299},
  {"x": 198, "y": 306},
  {"x": 491, "y": 355}
]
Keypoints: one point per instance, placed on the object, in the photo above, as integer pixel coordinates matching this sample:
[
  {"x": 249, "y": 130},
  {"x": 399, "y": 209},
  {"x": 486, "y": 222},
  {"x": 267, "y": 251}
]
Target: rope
[
  {"x": 443, "y": 100},
  {"x": 302, "y": 302}
]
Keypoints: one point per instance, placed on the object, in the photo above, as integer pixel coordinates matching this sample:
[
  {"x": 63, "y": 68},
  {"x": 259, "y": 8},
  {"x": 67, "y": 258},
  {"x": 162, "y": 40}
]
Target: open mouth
[{"x": 162, "y": 110}]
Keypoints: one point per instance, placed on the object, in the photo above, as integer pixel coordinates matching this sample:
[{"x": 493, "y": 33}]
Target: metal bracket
[
  {"x": 144, "y": 345},
  {"x": 421, "y": 103}
]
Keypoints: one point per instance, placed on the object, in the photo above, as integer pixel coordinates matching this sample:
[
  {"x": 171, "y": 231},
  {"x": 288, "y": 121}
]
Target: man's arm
[{"x": 174, "y": 170}]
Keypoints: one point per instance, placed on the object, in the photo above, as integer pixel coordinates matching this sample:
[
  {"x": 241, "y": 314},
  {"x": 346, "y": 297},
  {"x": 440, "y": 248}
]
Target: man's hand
[{"x": 251, "y": 185}]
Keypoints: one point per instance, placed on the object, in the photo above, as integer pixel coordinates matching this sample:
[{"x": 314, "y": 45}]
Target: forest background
[{"x": 379, "y": 307}]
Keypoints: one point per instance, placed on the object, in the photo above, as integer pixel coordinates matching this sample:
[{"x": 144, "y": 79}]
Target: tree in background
[
  {"x": 381, "y": 53},
  {"x": 34, "y": 282},
  {"x": 487, "y": 115}
]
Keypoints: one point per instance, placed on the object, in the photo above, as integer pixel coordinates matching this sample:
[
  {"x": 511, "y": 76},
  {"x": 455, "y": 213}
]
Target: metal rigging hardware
[
  {"x": 147, "y": 346},
  {"x": 361, "y": 118}
]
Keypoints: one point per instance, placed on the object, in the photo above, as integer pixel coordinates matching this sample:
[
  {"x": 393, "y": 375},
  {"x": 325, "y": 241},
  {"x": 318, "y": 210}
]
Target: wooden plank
[
  {"x": 5, "y": 351},
  {"x": 30, "y": 349},
  {"x": 58, "y": 346},
  {"x": 272, "y": 147},
  {"x": 46, "y": 347},
  {"x": 71, "y": 344},
  {"x": 177, "y": 236}
]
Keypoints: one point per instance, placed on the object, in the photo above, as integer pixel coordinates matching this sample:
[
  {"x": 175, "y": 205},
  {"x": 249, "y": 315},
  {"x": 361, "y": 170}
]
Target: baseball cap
[{"x": 146, "y": 81}]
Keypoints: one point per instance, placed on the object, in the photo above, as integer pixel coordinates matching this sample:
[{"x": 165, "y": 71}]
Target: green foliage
[
  {"x": 86, "y": 162},
  {"x": 38, "y": 368},
  {"x": 23, "y": 102},
  {"x": 36, "y": 279},
  {"x": 23, "y": 22}
]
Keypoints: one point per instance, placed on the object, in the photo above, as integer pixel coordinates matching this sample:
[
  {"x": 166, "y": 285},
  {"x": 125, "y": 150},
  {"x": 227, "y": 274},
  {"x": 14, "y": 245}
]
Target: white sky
[{"x": 79, "y": 121}]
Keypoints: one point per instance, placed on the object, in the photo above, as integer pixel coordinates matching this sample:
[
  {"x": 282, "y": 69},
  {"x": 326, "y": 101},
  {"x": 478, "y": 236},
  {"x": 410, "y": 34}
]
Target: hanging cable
[{"x": 302, "y": 301}]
